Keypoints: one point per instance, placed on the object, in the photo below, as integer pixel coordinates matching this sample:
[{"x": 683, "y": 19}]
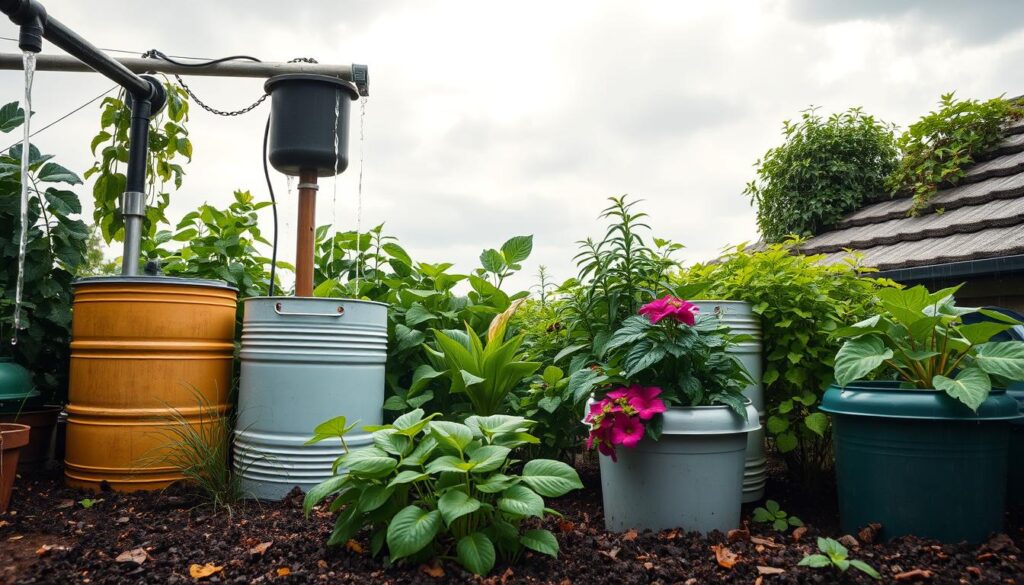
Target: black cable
[
  {"x": 273, "y": 205},
  {"x": 160, "y": 55}
]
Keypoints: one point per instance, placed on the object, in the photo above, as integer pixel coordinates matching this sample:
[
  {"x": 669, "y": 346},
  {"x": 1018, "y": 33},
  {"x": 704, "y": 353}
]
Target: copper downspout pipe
[{"x": 305, "y": 233}]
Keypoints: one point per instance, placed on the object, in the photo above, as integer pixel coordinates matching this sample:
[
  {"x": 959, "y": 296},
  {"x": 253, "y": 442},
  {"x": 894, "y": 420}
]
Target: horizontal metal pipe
[{"x": 46, "y": 62}]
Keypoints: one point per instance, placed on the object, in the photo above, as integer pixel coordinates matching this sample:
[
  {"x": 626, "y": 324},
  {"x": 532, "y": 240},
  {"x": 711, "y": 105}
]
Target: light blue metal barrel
[
  {"x": 304, "y": 361},
  {"x": 741, "y": 320}
]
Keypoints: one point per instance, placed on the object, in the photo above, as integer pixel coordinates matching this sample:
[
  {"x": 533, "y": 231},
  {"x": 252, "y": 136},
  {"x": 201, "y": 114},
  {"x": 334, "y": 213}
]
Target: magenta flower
[
  {"x": 627, "y": 430},
  {"x": 645, "y": 401},
  {"x": 670, "y": 306}
]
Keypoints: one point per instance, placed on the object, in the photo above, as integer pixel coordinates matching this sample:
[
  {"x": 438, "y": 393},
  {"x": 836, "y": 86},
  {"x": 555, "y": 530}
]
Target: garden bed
[{"x": 49, "y": 537}]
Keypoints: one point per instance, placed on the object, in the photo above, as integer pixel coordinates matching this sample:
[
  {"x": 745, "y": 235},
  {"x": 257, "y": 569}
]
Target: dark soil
[{"x": 49, "y": 537}]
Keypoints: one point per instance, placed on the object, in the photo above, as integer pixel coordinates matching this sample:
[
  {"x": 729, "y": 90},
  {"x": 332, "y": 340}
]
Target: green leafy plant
[
  {"x": 938, "y": 147},
  {"x": 617, "y": 274},
  {"x": 168, "y": 145},
  {"x": 556, "y": 403},
  {"x": 56, "y": 248},
  {"x": 772, "y": 514},
  {"x": 429, "y": 488},
  {"x": 834, "y": 554},
  {"x": 421, "y": 297},
  {"x": 687, "y": 360},
  {"x": 800, "y": 301},
  {"x": 87, "y": 503},
  {"x": 826, "y": 168},
  {"x": 921, "y": 336},
  {"x": 501, "y": 264},
  {"x": 484, "y": 372},
  {"x": 220, "y": 244}
]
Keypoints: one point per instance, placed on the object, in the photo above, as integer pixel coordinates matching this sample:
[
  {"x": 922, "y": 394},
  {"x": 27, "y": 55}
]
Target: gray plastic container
[
  {"x": 691, "y": 478},
  {"x": 740, "y": 318},
  {"x": 304, "y": 361}
]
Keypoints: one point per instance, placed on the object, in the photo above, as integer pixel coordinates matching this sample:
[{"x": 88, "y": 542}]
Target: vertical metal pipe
[
  {"x": 133, "y": 202},
  {"x": 305, "y": 234}
]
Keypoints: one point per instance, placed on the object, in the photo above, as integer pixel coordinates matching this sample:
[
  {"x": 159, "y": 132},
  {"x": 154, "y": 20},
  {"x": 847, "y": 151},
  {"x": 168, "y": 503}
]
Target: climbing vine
[{"x": 938, "y": 147}]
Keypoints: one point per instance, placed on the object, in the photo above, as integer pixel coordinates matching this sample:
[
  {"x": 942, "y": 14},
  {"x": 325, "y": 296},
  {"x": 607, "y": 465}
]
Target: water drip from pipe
[{"x": 29, "y": 61}]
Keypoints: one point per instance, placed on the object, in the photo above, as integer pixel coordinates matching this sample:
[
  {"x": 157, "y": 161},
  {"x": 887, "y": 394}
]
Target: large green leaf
[
  {"x": 859, "y": 357},
  {"x": 369, "y": 462},
  {"x": 11, "y": 116},
  {"x": 476, "y": 553},
  {"x": 492, "y": 260},
  {"x": 978, "y": 333},
  {"x": 451, "y": 434},
  {"x": 905, "y": 305},
  {"x": 817, "y": 422},
  {"x": 522, "y": 501},
  {"x": 317, "y": 493},
  {"x": 1001, "y": 358},
  {"x": 541, "y": 541},
  {"x": 550, "y": 478},
  {"x": 455, "y": 504},
  {"x": 971, "y": 386},
  {"x": 488, "y": 457},
  {"x": 517, "y": 249},
  {"x": 411, "y": 530}
]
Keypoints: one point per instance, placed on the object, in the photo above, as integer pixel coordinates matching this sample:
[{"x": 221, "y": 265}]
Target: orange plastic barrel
[{"x": 142, "y": 349}]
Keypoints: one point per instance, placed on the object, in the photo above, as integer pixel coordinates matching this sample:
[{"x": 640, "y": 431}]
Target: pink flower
[
  {"x": 645, "y": 402},
  {"x": 606, "y": 449},
  {"x": 627, "y": 430},
  {"x": 670, "y": 306}
]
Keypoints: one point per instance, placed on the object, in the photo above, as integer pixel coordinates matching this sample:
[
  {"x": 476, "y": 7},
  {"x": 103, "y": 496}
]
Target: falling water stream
[
  {"x": 334, "y": 181},
  {"x": 29, "y": 60},
  {"x": 359, "y": 188}
]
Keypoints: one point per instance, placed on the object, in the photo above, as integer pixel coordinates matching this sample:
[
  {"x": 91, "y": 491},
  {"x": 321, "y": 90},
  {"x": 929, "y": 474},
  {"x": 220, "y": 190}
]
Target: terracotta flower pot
[
  {"x": 12, "y": 438},
  {"x": 42, "y": 420}
]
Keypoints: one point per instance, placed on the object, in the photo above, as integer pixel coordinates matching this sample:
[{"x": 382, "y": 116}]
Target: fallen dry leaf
[
  {"x": 671, "y": 535},
  {"x": 612, "y": 554},
  {"x": 435, "y": 571},
  {"x": 46, "y": 548},
  {"x": 737, "y": 534},
  {"x": 65, "y": 504},
  {"x": 974, "y": 571},
  {"x": 648, "y": 565},
  {"x": 913, "y": 575},
  {"x": 759, "y": 580},
  {"x": 725, "y": 557},
  {"x": 766, "y": 542},
  {"x": 566, "y": 526},
  {"x": 986, "y": 556},
  {"x": 869, "y": 533},
  {"x": 849, "y": 541},
  {"x": 203, "y": 571},
  {"x": 799, "y": 533},
  {"x": 761, "y": 570},
  {"x": 16, "y": 537},
  {"x": 630, "y": 535},
  {"x": 322, "y": 564},
  {"x": 283, "y": 571},
  {"x": 260, "y": 548},
  {"x": 136, "y": 555},
  {"x": 354, "y": 546}
]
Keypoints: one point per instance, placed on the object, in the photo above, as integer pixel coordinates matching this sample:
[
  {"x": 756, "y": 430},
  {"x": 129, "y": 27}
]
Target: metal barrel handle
[{"x": 278, "y": 309}]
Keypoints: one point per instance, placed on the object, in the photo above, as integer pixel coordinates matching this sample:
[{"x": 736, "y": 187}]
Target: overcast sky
[{"x": 490, "y": 120}]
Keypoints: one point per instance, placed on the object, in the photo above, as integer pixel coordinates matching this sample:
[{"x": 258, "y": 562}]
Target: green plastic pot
[
  {"x": 16, "y": 389},
  {"x": 920, "y": 462},
  {"x": 1015, "y": 471}
]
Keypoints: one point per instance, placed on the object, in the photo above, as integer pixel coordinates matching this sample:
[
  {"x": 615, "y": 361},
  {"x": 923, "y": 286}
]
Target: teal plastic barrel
[
  {"x": 919, "y": 462},
  {"x": 1015, "y": 471}
]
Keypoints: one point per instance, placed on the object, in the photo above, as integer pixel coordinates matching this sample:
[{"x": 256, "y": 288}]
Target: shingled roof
[{"x": 981, "y": 218}]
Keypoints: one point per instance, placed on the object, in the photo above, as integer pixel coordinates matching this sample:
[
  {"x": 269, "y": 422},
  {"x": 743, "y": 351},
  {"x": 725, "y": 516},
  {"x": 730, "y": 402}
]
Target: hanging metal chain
[{"x": 153, "y": 53}]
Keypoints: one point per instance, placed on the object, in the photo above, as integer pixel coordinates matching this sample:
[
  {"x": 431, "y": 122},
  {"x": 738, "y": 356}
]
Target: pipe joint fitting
[
  {"x": 30, "y": 16},
  {"x": 133, "y": 203}
]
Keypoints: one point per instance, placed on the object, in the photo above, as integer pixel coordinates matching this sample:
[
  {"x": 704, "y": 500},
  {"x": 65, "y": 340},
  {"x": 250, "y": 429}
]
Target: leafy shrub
[
  {"x": 485, "y": 373},
  {"x": 556, "y": 403},
  {"x": 56, "y": 248},
  {"x": 427, "y": 487},
  {"x": 220, "y": 244},
  {"x": 937, "y": 147},
  {"x": 421, "y": 297},
  {"x": 825, "y": 169},
  {"x": 801, "y": 302},
  {"x": 921, "y": 336},
  {"x": 616, "y": 275}
]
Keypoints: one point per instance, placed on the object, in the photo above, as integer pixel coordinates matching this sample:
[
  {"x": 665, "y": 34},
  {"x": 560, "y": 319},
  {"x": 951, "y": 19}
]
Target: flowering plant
[{"x": 667, "y": 355}]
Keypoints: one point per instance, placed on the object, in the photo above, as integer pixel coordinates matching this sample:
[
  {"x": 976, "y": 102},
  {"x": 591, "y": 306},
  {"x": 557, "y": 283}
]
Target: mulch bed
[{"x": 48, "y": 537}]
